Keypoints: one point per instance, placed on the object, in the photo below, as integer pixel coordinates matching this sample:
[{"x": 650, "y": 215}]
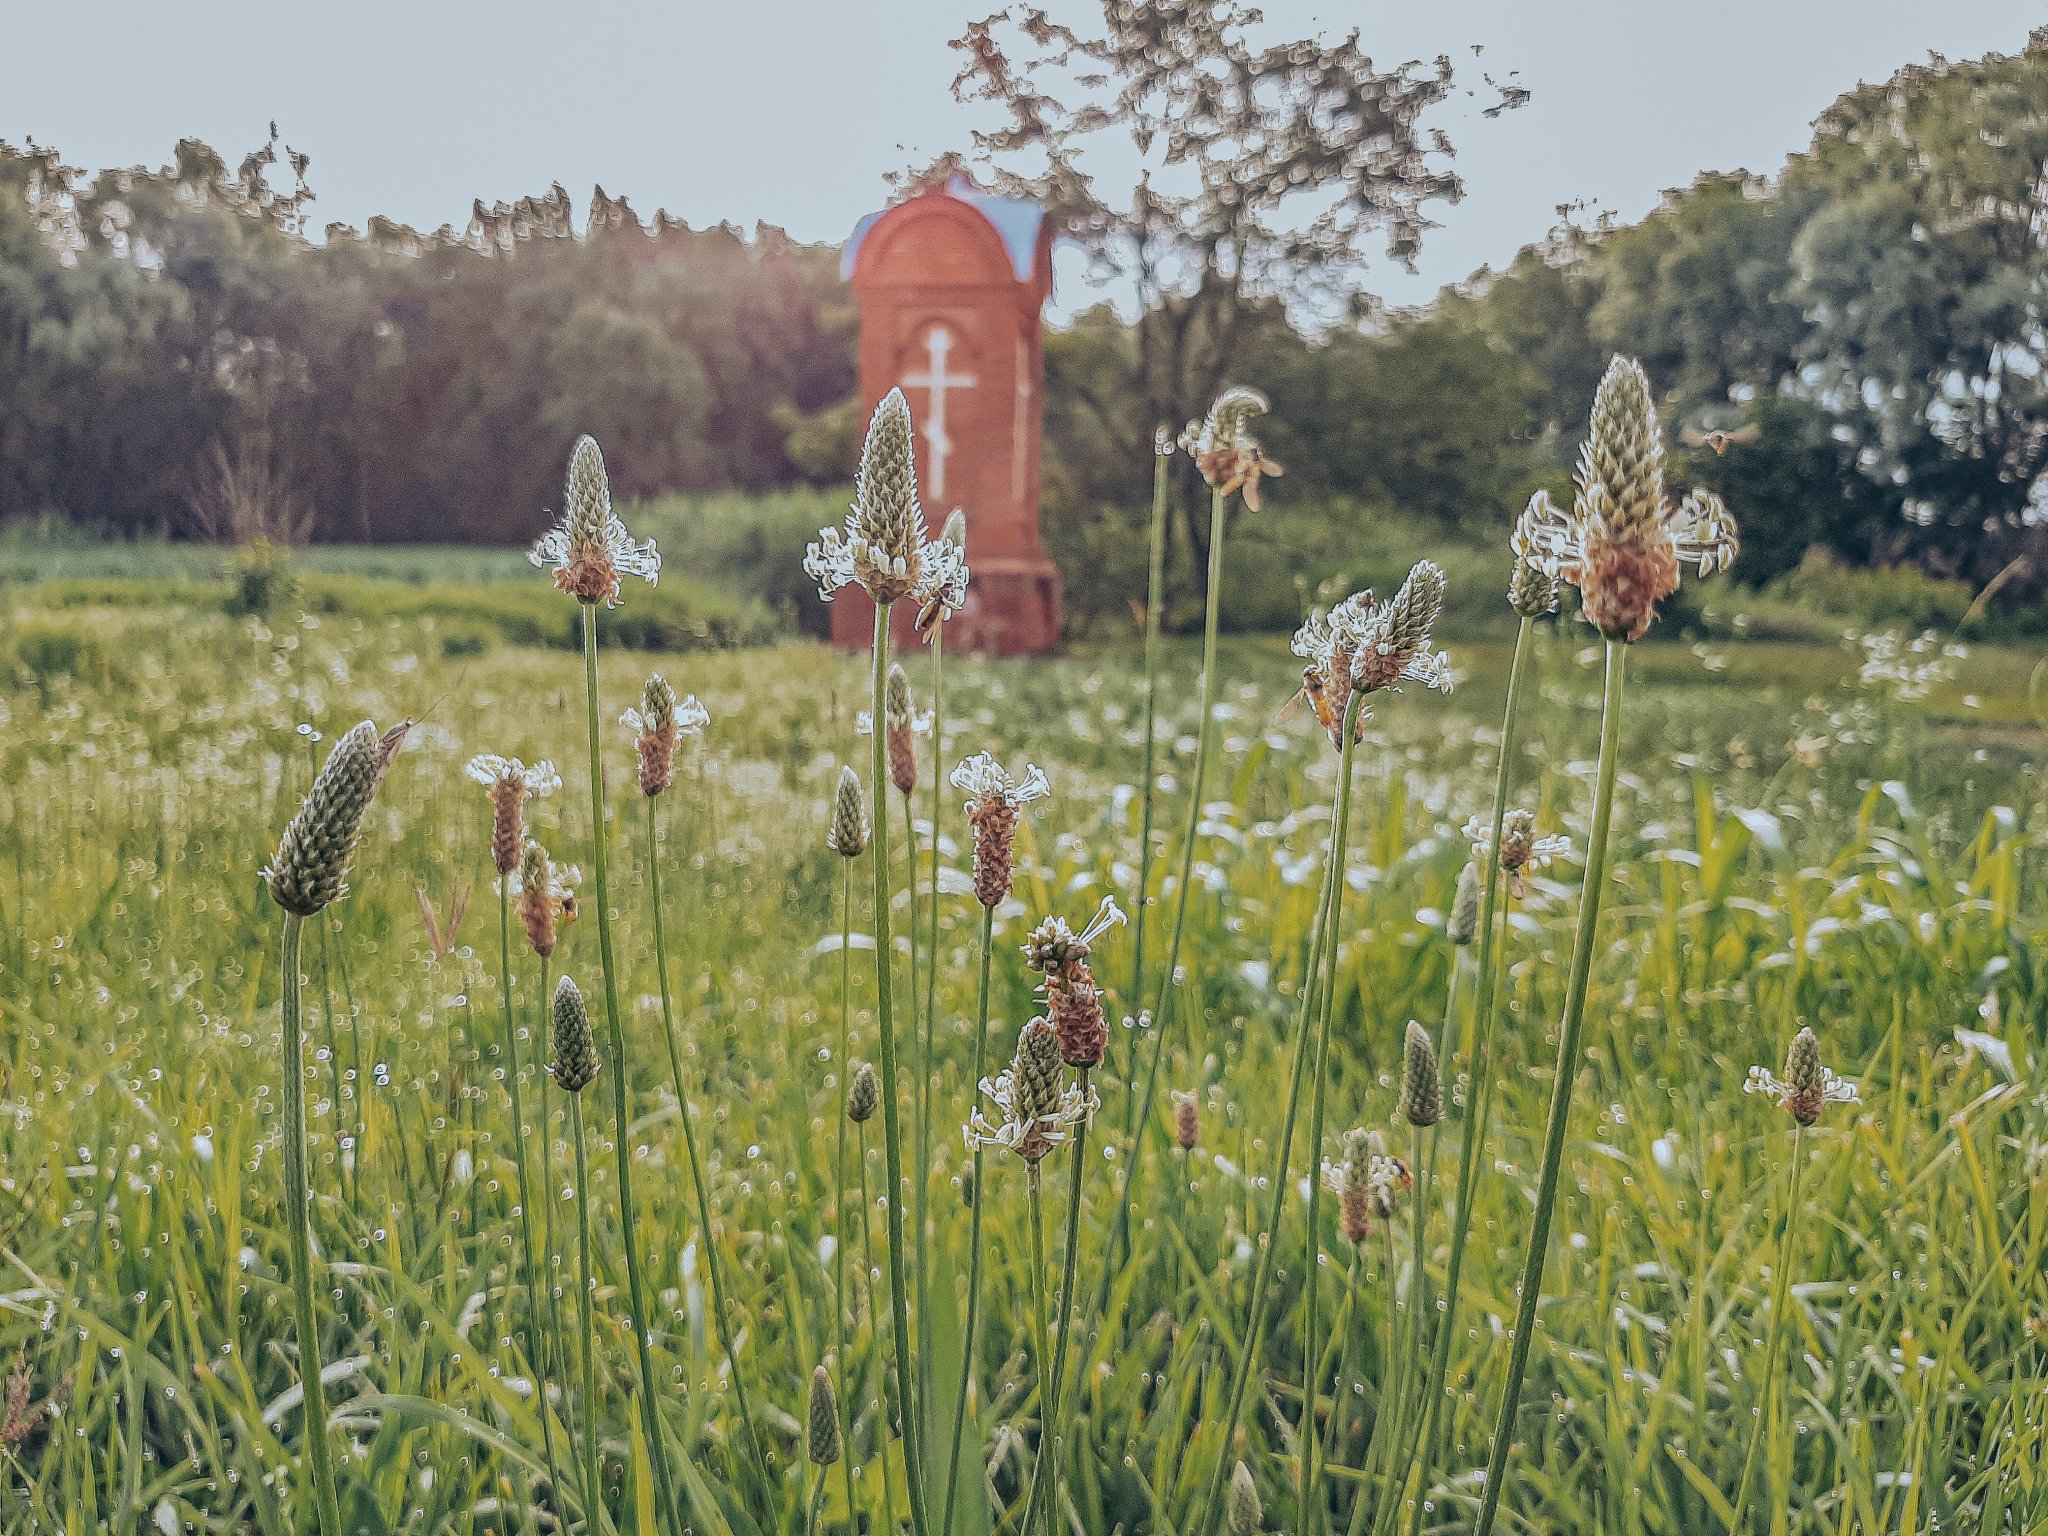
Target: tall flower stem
[
  {"x": 920, "y": 1092},
  {"x": 867, "y": 1244},
  {"x": 1348, "y": 1330},
  {"x": 892, "y": 1131},
  {"x": 974, "y": 1241},
  {"x": 1155, "y": 597},
  {"x": 839, "y": 1245},
  {"x": 1478, "y": 1064},
  {"x": 931, "y": 968},
  {"x": 297, "y": 1217},
  {"x": 550, "y": 1194},
  {"x": 636, "y": 1280},
  {"x": 713, "y": 1263},
  {"x": 1048, "y": 1475},
  {"x": 1039, "y": 1283},
  {"x": 1561, "y": 1089},
  {"x": 1138, "y": 1111},
  {"x": 536, "y": 1333},
  {"x": 593, "y": 1487},
  {"x": 1322, "y": 950},
  {"x": 1781, "y": 1298},
  {"x": 1408, "y": 1404}
]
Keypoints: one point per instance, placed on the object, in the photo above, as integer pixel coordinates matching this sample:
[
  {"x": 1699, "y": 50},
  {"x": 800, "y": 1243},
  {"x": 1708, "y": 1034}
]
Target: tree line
[{"x": 176, "y": 349}]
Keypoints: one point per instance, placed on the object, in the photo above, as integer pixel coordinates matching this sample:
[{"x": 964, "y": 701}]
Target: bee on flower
[
  {"x": 1364, "y": 645},
  {"x": 1229, "y": 458},
  {"x": 1623, "y": 540},
  {"x": 590, "y": 549},
  {"x": 882, "y": 546},
  {"x": 1807, "y": 1087},
  {"x": 1522, "y": 852}
]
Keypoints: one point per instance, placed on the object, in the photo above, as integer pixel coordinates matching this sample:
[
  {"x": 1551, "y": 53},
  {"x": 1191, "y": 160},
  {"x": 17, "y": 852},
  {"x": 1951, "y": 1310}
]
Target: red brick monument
[{"x": 951, "y": 282}]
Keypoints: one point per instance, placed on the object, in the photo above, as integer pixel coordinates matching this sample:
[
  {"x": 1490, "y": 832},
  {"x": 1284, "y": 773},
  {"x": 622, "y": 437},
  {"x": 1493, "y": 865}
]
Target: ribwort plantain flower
[
  {"x": 657, "y": 724},
  {"x": 1522, "y": 852},
  {"x": 1463, "y": 924},
  {"x": 1532, "y": 583},
  {"x": 946, "y": 597},
  {"x": 590, "y": 549},
  {"x": 1623, "y": 541},
  {"x": 1040, "y": 1110},
  {"x": 821, "y": 1429},
  {"x": 1350, "y": 1179},
  {"x": 1367, "y": 646},
  {"x": 882, "y": 546},
  {"x": 511, "y": 784},
  {"x": 1187, "y": 1120},
  {"x": 1243, "y": 1516},
  {"x": 1422, "y": 1082},
  {"x": 1808, "y": 1087},
  {"x": 863, "y": 1095},
  {"x": 546, "y": 894},
  {"x": 993, "y": 799},
  {"x": 1227, "y": 455},
  {"x": 1073, "y": 1002},
  {"x": 848, "y": 834},
  {"x": 309, "y": 871},
  {"x": 576, "y": 1064},
  {"x": 898, "y": 723}
]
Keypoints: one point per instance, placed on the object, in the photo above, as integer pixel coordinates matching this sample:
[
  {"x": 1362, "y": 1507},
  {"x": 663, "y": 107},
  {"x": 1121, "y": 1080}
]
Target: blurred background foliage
[{"x": 182, "y": 360}]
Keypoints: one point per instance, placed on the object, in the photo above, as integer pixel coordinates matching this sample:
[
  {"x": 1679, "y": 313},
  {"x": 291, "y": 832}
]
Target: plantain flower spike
[
  {"x": 1623, "y": 541},
  {"x": 1367, "y": 646},
  {"x": 575, "y": 1066},
  {"x": 882, "y": 546},
  {"x": 546, "y": 894},
  {"x": 1223, "y": 450},
  {"x": 898, "y": 727},
  {"x": 1808, "y": 1086},
  {"x": 659, "y": 721},
  {"x": 590, "y": 549},
  {"x": 310, "y": 868},
  {"x": 1187, "y": 1120},
  {"x": 1422, "y": 1082},
  {"x": 821, "y": 1431},
  {"x": 863, "y": 1095},
  {"x": 1073, "y": 1002},
  {"x": 848, "y": 834},
  {"x": 1532, "y": 583},
  {"x": 1243, "y": 1516},
  {"x": 510, "y": 784},
  {"x": 993, "y": 800},
  {"x": 1039, "y": 1109},
  {"x": 1463, "y": 925}
]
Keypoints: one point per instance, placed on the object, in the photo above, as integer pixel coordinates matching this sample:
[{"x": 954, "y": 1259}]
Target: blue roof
[{"x": 1015, "y": 220}]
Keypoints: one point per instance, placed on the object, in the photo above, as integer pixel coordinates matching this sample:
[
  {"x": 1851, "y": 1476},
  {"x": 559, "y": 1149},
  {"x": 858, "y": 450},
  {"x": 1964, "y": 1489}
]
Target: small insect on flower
[
  {"x": 589, "y": 547},
  {"x": 1808, "y": 1087},
  {"x": 659, "y": 721},
  {"x": 882, "y": 546},
  {"x": 993, "y": 800},
  {"x": 1367, "y": 646},
  {"x": 1227, "y": 455},
  {"x": 1623, "y": 540},
  {"x": 1522, "y": 852},
  {"x": 1039, "y": 1109},
  {"x": 511, "y": 784}
]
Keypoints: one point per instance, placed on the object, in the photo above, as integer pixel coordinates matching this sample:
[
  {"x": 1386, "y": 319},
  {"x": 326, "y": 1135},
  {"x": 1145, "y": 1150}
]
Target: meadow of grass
[{"x": 1795, "y": 846}]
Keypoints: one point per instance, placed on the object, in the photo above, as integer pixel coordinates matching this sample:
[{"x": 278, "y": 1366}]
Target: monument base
[{"x": 1013, "y": 609}]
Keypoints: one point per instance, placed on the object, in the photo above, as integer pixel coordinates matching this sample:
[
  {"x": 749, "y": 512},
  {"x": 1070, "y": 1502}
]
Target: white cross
[{"x": 935, "y": 380}]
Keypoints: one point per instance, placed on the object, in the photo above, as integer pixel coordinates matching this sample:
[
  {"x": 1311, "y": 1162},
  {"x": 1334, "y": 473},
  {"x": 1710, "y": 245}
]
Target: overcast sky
[{"x": 791, "y": 111}]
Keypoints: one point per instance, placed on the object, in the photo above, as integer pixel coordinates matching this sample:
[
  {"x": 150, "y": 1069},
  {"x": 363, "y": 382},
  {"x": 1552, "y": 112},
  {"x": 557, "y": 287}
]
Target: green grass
[{"x": 1882, "y": 883}]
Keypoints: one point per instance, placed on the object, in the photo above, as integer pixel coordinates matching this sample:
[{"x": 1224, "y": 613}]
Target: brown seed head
[
  {"x": 540, "y": 902},
  {"x": 655, "y": 738},
  {"x": 1187, "y": 1121},
  {"x": 898, "y": 724}
]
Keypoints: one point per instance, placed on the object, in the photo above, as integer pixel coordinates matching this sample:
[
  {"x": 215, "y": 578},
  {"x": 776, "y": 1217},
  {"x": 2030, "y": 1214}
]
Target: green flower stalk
[
  {"x": 510, "y": 785},
  {"x": 591, "y": 550},
  {"x": 1806, "y": 1090},
  {"x": 882, "y": 548},
  {"x": 1621, "y": 546},
  {"x": 1533, "y": 594},
  {"x": 1217, "y": 444},
  {"x": 575, "y": 1068},
  {"x": 847, "y": 836},
  {"x": 308, "y": 872}
]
